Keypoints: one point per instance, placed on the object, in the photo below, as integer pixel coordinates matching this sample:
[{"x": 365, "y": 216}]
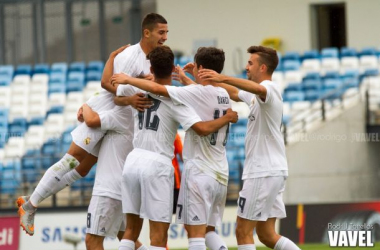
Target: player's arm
[
  {"x": 206, "y": 128},
  {"x": 91, "y": 118},
  {"x": 247, "y": 85},
  {"x": 137, "y": 101},
  {"x": 233, "y": 92},
  {"x": 143, "y": 84},
  {"x": 108, "y": 71}
]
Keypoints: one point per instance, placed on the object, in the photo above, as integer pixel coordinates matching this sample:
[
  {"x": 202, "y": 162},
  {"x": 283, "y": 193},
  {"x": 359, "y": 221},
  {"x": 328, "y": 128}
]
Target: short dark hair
[
  {"x": 162, "y": 61},
  {"x": 210, "y": 58},
  {"x": 151, "y": 20},
  {"x": 267, "y": 56}
]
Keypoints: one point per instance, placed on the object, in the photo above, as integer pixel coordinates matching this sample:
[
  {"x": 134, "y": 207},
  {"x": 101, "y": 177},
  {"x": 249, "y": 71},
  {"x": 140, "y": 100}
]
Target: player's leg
[
  {"x": 94, "y": 242},
  {"x": 132, "y": 232},
  {"x": 158, "y": 234},
  {"x": 196, "y": 235},
  {"x": 138, "y": 244},
  {"x": 244, "y": 233}
]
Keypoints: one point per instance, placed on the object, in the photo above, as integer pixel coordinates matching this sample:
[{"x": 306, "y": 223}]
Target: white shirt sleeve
[
  {"x": 125, "y": 62},
  {"x": 246, "y": 96},
  {"x": 187, "y": 95},
  {"x": 127, "y": 90},
  {"x": 114, "y": 119},
  {"x": 268, "y": 98},
  {"x": 185, "y": 115}
]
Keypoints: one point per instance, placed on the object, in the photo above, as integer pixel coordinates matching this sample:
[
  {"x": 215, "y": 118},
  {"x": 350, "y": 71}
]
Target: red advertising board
[{"x": 9, "y": 233}]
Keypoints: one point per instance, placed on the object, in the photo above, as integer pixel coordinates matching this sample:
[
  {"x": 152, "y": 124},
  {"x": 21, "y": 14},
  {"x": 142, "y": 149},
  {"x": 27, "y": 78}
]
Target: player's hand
[
  {"x": 148, "y": 77},
  {"x": 189, "y": 68},
  {"x": 80, "y": 114},
  {"x": 119, "y": 79},
  {"x": 210, "y": 75},
  {"x": 140, "y": 102},
  {"x": 232, "y": 115},
  {"x": 116, "y": 52},
  {"x": 180, "y": 76}
]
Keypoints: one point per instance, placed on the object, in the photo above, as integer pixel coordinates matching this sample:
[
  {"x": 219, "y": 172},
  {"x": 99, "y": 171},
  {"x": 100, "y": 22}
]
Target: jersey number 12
[{"x": 151, "y": 124}]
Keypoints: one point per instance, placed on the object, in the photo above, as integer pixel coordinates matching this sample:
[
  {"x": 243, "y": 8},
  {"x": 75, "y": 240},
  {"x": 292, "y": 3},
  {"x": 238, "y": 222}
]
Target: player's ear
[
  {"x": 151, "y": 70},
  {"x": 146, "y": 33},
  {"x": 173, "y": 68}
]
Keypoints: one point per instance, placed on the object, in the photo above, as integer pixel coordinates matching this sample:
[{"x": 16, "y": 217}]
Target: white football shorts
[
  {"x": 147, "y": 185},
  {"x": 105, "y": 217},
  {"x": 88, "y": 138},
  {"x": 201, "y": 198},
  {"x": 261, "y": 198}
]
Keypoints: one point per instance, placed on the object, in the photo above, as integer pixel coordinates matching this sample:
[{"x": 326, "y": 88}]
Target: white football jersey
[
  {"x": 116, "y": 145},
  {"x": 156, "y": 127},
  {"x": 264, "y": 142},
  {"x": 208, "y": 153},
  {"x": 132, "y": 61}
]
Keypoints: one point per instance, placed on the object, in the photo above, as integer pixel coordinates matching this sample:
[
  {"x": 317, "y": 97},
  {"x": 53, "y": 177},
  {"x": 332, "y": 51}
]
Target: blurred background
[{"x": 52, "y": 54}]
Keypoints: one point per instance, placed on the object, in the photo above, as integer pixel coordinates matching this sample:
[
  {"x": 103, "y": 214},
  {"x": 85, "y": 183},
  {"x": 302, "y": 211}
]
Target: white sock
[
  {"x": 214, "y": 241},
  {"x": 285, "y": 244},
  {"x": 197, "y": 244},
  {"x": 126, "y": 245},
  {"x": 52, "y": 178},
  {"x": 247, "y": 247},
  {"x": 66, "y": 180},
  {"x": 142, "y": 247},
  {"x": 156, "y": 248}
]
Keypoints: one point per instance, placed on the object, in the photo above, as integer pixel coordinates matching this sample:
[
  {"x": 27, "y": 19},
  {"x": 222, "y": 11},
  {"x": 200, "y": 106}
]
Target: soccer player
[
  {"x": 203, "y": 190},
  {"x": 148, "y": 171},
  {"x": 82, "y": 154},
  {"x": 265, "y": 169}
]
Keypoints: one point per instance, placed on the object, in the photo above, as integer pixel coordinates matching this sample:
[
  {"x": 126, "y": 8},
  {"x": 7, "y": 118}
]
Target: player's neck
[
  {"x": 164, "y": 81},
  {"x": 145, "y": 46},
  {"x": 205, "y": 83}
]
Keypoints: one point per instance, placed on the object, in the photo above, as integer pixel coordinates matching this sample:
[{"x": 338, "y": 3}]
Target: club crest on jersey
[
  {"x": 251, "y": 117},
  {"x": 87, "y": 140}
]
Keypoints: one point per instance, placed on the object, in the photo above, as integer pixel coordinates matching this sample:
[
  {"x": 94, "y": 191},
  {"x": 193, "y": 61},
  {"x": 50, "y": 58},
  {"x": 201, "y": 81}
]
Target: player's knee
[
  {"x": 92, "y": 243},
  {"x": 131, "y": 234},
  {"x": 159, "y": 238},
  {"x": 267, "y": 239},
  {"x": 242, "y": 233}
]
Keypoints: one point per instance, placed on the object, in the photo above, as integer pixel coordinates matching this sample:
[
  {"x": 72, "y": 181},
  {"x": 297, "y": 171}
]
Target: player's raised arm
[
  {"x": 108, "y": 70},
  {"x": 247, "y": 85},
  {"x": 143, "y": 84},
  {"x": 180, "y": 75},
  {"x": 91, "y": 118},
  {"x": 206, "y": 128}
]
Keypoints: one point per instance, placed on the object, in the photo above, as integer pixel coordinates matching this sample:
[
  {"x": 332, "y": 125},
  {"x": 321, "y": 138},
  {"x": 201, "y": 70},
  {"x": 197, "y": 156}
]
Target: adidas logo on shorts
[
  {"x": 196, "y": 218},
  {"x": 103, "y": 230}
]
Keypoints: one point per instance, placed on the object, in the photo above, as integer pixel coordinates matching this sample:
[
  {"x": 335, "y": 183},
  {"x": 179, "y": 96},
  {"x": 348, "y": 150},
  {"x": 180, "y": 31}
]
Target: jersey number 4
[
  {"x": 215, "y": 134},
  {"x": 150, "y": 122}
]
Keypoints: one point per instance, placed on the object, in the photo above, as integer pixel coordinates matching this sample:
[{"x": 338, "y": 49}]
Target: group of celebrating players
[{"x": 129, "y": 129}]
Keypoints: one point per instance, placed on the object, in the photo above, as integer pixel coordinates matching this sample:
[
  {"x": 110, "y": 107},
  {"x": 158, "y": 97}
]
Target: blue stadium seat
[
  {"x": 369, "y": 51},
  {"x": 351, "y": 82},
  {"x": 286, "y": 119},
  {"x": 332, "y": 83},
  {"x": 18, "y": 127},
  {"x": 371, "y": 72},
  {"x": 93, "y": 75},
  {"x": 5, "y": 80},
  {"x": 291, "y": 65},
  {"x": 293, "y": 86},
  {"x": 95, "y": 65},
  {"x": 59, "y": 67},
  {"x": 23, "y": 69},
  {"x": 348, "y": 52},
  {"x": 312, "y": 95},
  {"x": 55, "y": 110},
  {"x": 294, "y": 96},
  {"x": 77, "y": 67},
  {"x": 312, "y": 84},
  {"x": 332, "y": 88},
  {"x": 36, "y": 121},
  {"x": 185, "y": 60},
  {"x": 350, "y": 73},
  {"x": 330, "y": 52},
  {"x": 237, "y": 136},
  {"x": 10, "y": 177},
  {"x": 291, "y": 55},
  {"x": 331, "y": 75},
  {"x": 311, "y": 54},
  {"x": 57, "y": 77},
  {"x": 312, "y": 75},
  {"x": 41, "y": 68},
  {"x": 7, "y": 70},
  {"x": 57, "y": 88},
  {"x": 241, "y": 122},
  {"x": 51, "y": 147}
]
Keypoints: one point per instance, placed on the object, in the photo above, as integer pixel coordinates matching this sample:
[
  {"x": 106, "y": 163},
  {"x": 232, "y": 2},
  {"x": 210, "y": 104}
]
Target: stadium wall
[
  {"x": 235, "y": 25},
  {"x": 337, "y": 163}
]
